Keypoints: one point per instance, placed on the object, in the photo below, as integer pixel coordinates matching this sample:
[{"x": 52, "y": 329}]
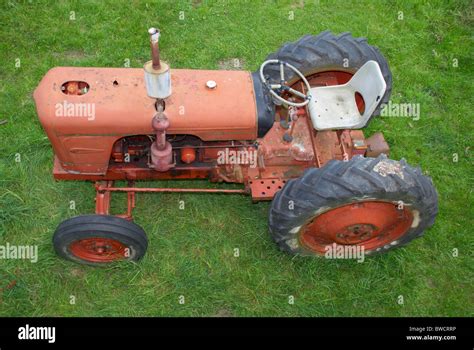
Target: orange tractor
[{"x": 288, "y": 132}]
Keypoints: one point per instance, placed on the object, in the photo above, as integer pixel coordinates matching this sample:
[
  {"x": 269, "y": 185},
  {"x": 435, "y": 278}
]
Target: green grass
[{"x": 191, "y": 250}]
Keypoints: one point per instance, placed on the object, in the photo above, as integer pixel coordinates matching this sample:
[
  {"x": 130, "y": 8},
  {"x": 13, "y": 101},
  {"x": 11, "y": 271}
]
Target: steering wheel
[{"x": 275, "y": 89}]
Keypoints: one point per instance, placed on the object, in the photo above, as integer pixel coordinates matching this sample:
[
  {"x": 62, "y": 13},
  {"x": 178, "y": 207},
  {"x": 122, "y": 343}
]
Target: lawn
[{"x": 191, "y": 251}]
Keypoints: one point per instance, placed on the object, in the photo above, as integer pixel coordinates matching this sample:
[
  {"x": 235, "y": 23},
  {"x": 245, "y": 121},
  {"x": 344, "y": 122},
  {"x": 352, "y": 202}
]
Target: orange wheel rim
[
  {"x": 98, "y": 249},
  {"x": 371, "y": 224}
]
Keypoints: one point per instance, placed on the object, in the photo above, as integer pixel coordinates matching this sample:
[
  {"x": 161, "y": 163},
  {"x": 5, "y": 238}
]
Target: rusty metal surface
[
  {"x": 327, "y": 146},
  {"x": 122, "y": 108},
  {"x": 377, "y": 145},
  {"x": 154, "y": 46},
  {"x": 132, "y": 172},
  {"x": 84, "y": 151},
  {"x": 278, "y": 152},
  {"x": 161, "y": 150},
  {"x": 104, "y": 190},
  {"x": 358, "y": 142},
  {"x": 104, "y": 196},
  {"x": 265, "y": 189},
  {"x": 177, "y": 190},
  {"x": 371, "y": 224}
]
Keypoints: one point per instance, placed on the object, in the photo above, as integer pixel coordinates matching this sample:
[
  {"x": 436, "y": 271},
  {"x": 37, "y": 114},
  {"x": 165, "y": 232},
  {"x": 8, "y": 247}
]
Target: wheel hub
[
  {"x": 371, "y": 224},
  {"x": 98, "y": 249},
  {"x": 356, "y": 233}
]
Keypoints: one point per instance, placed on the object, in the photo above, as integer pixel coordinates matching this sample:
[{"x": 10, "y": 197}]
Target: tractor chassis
[{"x": 260, "y": 182}]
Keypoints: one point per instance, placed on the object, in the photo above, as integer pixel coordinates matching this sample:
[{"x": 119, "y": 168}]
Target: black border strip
[{"x": 107, "y": 330}]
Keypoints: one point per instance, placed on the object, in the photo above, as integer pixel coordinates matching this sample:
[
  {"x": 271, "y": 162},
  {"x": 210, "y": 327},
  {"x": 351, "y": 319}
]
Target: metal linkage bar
[
  {"x": 105, "y": 188},
  {"x": 171, "y": 190}
]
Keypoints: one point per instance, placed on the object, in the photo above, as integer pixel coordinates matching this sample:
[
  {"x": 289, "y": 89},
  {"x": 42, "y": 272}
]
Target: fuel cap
[{"x": 211, "y": 84}]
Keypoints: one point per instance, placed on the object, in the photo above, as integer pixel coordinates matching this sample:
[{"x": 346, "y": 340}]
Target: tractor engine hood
[{"x": 113, "y": 102}]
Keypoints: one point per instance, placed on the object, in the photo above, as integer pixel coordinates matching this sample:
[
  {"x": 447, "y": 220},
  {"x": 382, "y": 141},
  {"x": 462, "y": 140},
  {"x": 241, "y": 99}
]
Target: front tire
[
  {"x": 376, "y": 203},
  {"x": 99, "y": 240}
]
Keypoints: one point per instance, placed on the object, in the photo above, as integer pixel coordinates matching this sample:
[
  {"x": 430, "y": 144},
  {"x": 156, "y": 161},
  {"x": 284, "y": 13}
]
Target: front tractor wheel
[
  {"x": 375, "y": 203},
  {"x": 99, "y": 239}
]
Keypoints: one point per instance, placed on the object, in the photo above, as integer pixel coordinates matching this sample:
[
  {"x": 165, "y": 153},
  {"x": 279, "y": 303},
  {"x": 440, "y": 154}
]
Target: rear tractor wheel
[
  {"x": 375, "y": 203},
  {"x": 327, "y": 59}
]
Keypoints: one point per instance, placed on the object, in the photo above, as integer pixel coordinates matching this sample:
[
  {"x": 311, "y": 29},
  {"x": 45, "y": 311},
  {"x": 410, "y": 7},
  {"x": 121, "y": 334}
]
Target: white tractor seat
[{"x": 334, "y": 107}]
